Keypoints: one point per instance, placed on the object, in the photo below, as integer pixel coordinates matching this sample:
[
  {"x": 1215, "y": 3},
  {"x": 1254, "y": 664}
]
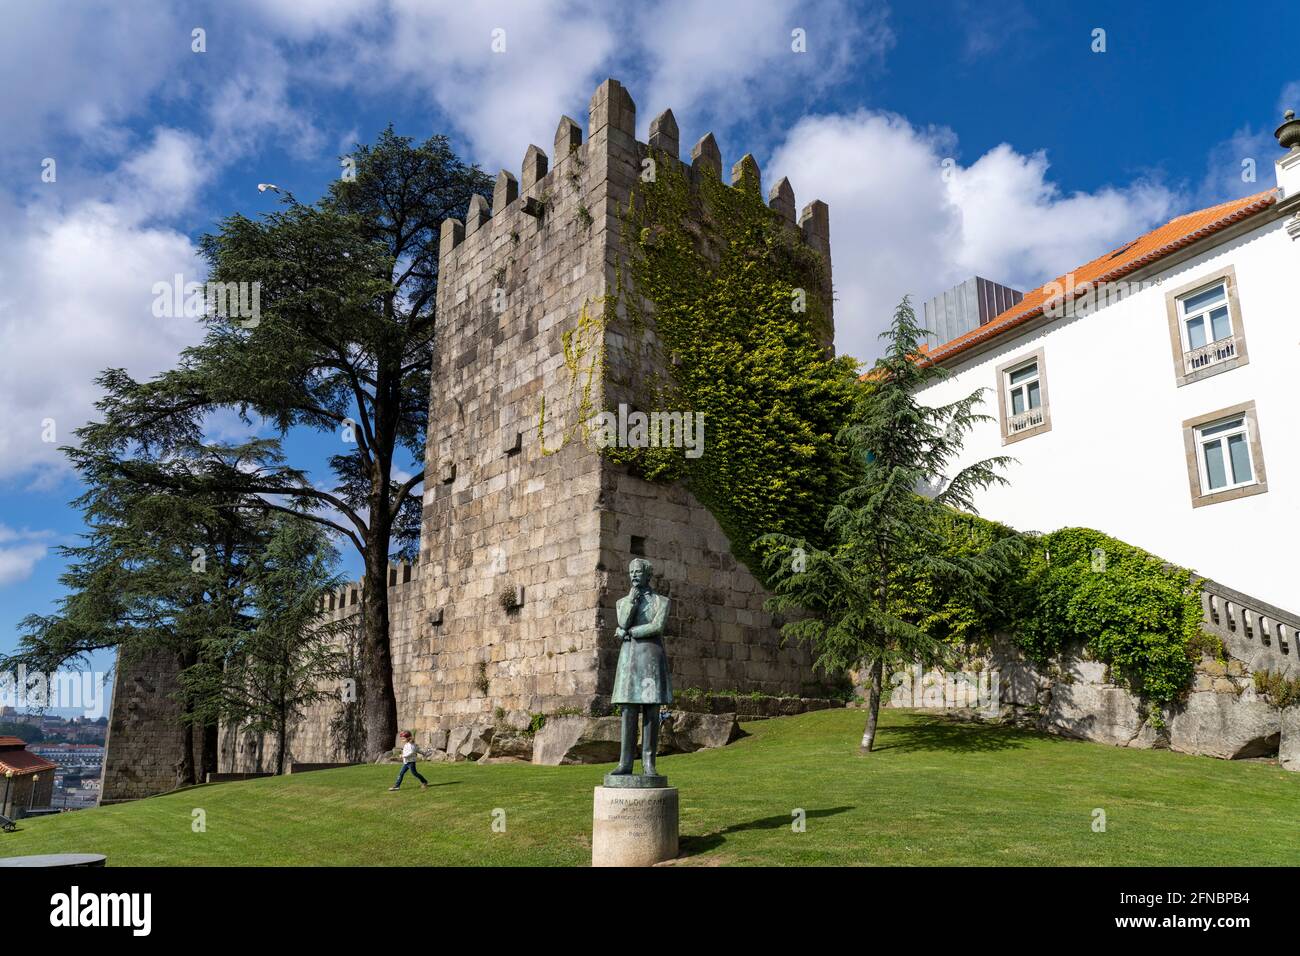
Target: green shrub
[
  {"x": 1205, "y": 644},
  {"x": 1132, "y": 611},
  {"x": 1281, "y": 690}
]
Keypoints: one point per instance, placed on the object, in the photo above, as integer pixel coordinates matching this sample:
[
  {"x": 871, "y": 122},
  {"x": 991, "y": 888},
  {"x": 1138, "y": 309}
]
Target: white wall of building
[{"x": 1114, "y": 458}]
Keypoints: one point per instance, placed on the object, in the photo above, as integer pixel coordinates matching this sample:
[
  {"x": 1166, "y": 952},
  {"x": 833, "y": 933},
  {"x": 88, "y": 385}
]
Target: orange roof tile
[
  {"x": 1156, "y": 244},
  {"x": 21, "y": 762}
]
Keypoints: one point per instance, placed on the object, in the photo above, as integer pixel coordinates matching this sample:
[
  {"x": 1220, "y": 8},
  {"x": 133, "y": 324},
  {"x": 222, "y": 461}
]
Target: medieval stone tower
[
  {"x": 503, "y": 509},
  {"x": 511, "y": 509}
]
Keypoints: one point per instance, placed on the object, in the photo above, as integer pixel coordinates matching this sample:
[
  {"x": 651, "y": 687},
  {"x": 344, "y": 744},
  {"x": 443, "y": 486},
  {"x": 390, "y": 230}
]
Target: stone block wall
[
  {"x": 145, "y": 739},
  {"x": 1221, "y": 716},
  {"x": 517, "y": 499}
]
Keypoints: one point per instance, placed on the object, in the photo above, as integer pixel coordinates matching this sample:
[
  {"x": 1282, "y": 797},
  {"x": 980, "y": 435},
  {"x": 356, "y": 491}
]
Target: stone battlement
[
  {"x": 348, "y": 595},
  {"x": 613, "y": 113}
]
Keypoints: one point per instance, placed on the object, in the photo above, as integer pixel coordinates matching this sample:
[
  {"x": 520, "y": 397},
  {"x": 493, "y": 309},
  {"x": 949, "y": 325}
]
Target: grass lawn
[{"x": 936, "y": 792}]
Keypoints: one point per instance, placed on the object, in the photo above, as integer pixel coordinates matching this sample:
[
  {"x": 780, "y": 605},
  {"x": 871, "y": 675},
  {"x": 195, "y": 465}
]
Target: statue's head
[{"x": 640, "y": 571}]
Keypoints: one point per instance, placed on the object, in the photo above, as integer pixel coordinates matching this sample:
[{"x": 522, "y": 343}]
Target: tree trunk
[
  {"x": 873, "y": 706},
  {"x": 208, "y": 745},
  {"x": 376, "y": 658},
  {"x": 281, "y": 739},
  {"x": 185, "y": 766}
]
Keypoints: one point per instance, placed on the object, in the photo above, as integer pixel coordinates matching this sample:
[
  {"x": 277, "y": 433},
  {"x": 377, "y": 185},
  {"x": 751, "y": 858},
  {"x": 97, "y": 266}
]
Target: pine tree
[
  {"x": 159, "y": 571},
  {"x": 260, "y": 680},
  {"x": 343, "y": 345},
  {"x": 857, "y": 601}
]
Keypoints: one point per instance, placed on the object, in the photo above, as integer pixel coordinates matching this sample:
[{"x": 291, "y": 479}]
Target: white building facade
[{"x": 1154, "y": 394}]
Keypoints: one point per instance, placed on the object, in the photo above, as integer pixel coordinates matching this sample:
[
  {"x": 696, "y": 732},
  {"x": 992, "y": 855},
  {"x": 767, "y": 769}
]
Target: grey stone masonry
[
  {"x": 555, "y": 518},
  {"x": 145, "y": 741}
]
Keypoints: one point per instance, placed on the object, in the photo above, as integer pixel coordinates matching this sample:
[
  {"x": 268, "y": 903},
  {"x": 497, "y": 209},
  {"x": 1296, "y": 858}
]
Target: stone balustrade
[{"x": 1254, "y": 631}]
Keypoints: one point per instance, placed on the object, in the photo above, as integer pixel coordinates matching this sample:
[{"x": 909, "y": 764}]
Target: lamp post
[
  {"x": 4, "y": 804},
  {"x": 31, "y": 796}
]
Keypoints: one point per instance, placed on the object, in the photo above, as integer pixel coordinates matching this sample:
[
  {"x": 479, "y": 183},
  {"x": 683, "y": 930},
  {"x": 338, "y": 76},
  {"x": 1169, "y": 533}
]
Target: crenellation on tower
[
  {"x": 781, "y": 200},
  {"x": 568, "y": 137},
  {"x": 664, "y": 135},
  {"x": 747, "y": 168},
  {"x": 504, "y": 192},
  {"x": 815, "y": 223},
  {"x": 612, "y": 110},
  {"x": 477, "y": 215},
  {"x": 450, "y": 235},
  {"x": 534, "y": 168},
  {"x": 705, "y": 155}
]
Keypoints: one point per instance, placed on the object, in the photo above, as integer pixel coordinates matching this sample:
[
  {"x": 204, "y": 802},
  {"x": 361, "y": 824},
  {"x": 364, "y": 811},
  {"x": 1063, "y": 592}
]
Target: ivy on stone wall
[
  {"x": 1133, "y": 611},
  {"x": 736, "y": 300}
]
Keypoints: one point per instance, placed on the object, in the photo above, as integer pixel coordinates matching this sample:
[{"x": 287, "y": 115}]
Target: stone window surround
[
  {"x": 1228, "y": 275},
  {"x": 1199, "y": 497},
  {"x": 1003, "y": 369}
]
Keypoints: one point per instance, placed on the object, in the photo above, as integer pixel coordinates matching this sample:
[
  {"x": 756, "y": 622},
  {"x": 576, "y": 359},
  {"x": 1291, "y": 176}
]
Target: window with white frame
[
  {"x": 1206, "y": 325},
  {"x": 1224, "y": 456},
  {"x": 1022, "y": 397},
  {"x": 1023, "y": 391}
]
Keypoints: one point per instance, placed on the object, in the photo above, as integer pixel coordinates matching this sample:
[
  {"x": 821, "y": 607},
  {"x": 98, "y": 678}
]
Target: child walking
[{"x": 409, "y": 755}]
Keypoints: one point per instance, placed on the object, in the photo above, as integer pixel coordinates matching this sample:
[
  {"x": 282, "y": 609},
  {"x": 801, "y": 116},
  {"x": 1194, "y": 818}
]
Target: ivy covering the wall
[
  {"x": 737, "y": 300},
  {"x": 1133, "y": 611}
]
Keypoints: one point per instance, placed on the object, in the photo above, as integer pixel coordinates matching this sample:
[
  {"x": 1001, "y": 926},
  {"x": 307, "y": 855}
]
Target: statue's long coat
[{"x": 643, "y": 675}]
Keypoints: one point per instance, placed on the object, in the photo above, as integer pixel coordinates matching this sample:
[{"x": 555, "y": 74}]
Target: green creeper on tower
[{"x": 642, "y": 682}]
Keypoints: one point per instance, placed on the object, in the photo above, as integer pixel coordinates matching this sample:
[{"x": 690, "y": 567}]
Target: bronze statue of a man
[{"x": 642, "y": 682}]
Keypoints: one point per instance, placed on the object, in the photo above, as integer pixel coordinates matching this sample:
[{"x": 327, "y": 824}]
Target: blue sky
[{"x": 950, "y": 138}]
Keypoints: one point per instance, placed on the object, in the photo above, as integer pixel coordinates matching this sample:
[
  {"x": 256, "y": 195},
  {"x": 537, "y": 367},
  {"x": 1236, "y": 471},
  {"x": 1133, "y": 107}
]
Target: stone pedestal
[{"x": 634, "y": 826}]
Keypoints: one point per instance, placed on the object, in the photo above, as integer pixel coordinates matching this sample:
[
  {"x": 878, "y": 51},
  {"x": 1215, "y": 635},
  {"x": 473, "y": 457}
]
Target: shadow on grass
[
  {"x": 931, "y": 732},
  {"x": 440, "y": 783},
  {"x": 694, "y": 845}
]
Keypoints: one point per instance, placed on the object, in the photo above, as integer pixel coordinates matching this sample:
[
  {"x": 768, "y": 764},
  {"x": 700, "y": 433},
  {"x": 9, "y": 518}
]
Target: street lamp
[
  {"x": 9, "y": 776},
  {"x": 31, "y": 797}
]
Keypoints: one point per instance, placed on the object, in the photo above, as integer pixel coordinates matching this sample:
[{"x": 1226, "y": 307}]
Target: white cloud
[
  {"x": 75, "y": 298},
  {"x": 899, "y": 225},
  {"x": 503, "y": 100},
  {"x": 17, "y": 564},
  {"x": 19, "y": 553},
  {"x": 82, "y": 66},
  {"x": 718, "y": 63},
  {"x": 715, "y": 64}
]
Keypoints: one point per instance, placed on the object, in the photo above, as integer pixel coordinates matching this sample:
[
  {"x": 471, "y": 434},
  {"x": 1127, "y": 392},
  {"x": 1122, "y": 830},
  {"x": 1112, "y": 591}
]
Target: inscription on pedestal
[{"x": 634, "y": 827}]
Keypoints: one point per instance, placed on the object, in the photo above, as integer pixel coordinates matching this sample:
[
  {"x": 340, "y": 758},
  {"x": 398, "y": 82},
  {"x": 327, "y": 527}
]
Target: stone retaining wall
[{"x": 1222, "y": 715}]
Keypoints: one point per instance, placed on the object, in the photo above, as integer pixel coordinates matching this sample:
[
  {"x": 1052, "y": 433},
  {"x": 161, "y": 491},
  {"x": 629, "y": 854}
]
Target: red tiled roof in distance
[
  {"x": 22, "y": 762},
  {"x": 1128, "y": 258},
  {"x": 12, "y": 742}
]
